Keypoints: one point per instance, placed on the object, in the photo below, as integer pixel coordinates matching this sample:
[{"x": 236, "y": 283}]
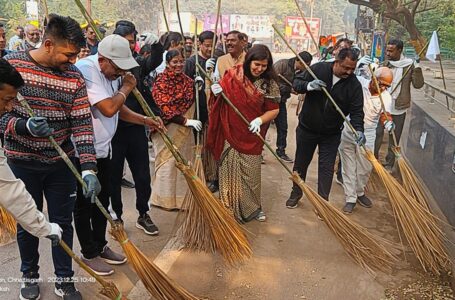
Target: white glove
[
  {"x": 389, "y": 126},
  {"x": 56, "y": 234},
  {"x": 210, "y": 64},
  {"x": 315, "y": 85},
  {"x": 148, "y": 38},
  {"x": 365, "y": 60},
  {"x": 196, "y": 124},
  {"x": 216, "y": 89},
  {"x": 255, "y": 125},
  {"x": 199, "y": 81}
]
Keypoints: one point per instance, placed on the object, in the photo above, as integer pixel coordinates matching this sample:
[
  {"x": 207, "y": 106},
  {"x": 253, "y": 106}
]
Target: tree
[{"x": 403, "y": 12}]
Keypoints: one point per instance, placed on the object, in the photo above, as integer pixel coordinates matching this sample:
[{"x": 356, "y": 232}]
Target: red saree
[{"x": 224, "y": 124}]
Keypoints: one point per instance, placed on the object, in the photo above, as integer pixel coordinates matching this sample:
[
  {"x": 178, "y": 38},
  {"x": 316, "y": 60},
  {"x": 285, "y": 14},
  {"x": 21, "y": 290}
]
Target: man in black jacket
[
  {"x": 320, "y": 124},
  {"x": 287, "y": 68}
]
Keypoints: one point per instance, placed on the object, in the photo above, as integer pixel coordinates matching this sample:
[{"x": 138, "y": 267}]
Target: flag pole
[{"x": 443, "y": 77}]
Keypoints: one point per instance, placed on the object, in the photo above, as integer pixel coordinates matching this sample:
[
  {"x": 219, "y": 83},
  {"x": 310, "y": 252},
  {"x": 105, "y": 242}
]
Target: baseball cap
[{"x": 117, "y": 49}]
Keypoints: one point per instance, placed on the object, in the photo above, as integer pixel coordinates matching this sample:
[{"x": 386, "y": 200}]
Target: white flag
[{"x": 433, "y": 47}]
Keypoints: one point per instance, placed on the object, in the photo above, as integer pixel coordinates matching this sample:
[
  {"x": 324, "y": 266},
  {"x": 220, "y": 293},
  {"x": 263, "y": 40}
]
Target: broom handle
[
  {"x": 164, "y": 16},
  {"x": 136, "y": 92},
  {"x": 66, "y": 159},
  {"x": 389, "y": 118},
  {"x": 410, "y": 66},
  {"x": 180, "y": 25},
  {"x": 218, "y": 11},
  {"x": 196, "y": 91},
  {"x": 285, "y": 80},
  {"x": 323, "y": 88},
  {"x": 307, "y": 26},
  {"x": 247, "y": 123}
]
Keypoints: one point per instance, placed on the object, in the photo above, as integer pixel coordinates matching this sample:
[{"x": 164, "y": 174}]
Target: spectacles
[
  {"x": 117, "y": 69},
  {"x": 384, "y": 85}
]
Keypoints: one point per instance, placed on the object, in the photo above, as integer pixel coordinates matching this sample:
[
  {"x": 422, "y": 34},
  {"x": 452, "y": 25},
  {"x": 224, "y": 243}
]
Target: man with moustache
[
  {"x": 320, "y": 124},
  {"x": 32, "y": 37}
]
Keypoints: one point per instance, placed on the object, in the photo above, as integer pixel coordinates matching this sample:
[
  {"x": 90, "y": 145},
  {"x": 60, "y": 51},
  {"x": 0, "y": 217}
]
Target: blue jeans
[
  {"x": 281, "y": 123},
  {"x": 58, "y": 185}
]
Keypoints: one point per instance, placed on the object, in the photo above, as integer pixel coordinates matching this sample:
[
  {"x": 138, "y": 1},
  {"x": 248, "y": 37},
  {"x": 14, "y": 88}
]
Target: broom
[
  {"x": 419, "y": 225},
  {"x": 194, "y": 232},
  {"x": 419, "y": 232},
  {"x": 132, "y": 253},
  {"x": 360, "y": 245},
  {"x": 8, "y": 227}
]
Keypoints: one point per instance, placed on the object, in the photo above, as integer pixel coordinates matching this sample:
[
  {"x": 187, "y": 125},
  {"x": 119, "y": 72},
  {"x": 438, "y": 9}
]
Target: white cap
[{"x": 117, "y": 49}]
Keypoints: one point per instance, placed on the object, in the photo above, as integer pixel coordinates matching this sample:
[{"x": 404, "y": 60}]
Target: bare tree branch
[
  {"x": 426, "y": 9},
  {"x": 414, "y": 9}
]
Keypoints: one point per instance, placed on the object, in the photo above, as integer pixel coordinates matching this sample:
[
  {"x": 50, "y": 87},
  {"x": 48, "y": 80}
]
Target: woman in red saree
[
  {"x": 253, "y": 90},
  {"x": 173, "y": 93}
]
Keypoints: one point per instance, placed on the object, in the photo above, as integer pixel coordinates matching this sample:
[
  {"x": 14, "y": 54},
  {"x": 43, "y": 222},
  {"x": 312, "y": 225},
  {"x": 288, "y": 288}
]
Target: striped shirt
[{"x": 61, "y": 97}]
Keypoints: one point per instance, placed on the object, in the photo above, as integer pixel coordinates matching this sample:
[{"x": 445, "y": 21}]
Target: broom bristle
[
  {"x": 225, "y": 233},
  {"x": 361, "y": 245},
  {"x": 419, "y": 226},
  {"x": 193, "y": 231},
  {"x": 8, "y": 226},
  {"x": 111, "y": 291},
  {"x": 157, "y": 283}
]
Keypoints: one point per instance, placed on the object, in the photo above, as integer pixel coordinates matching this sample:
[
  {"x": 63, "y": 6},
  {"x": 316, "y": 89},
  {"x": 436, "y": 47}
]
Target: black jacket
[
  {"x": 318, "y": 114},
  {"x": 286, "y": 68},
  {"x": 190, "y": 71}
]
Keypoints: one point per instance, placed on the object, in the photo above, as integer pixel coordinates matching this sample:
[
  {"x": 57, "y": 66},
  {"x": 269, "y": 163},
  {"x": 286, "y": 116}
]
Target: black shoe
[
  {"x": 294, "y": 198},
  {"x": 29, "y": 287},
  {"x": 127, "y": 184},
  {"x": 145, "y": 223},
  {"x": 348, "y": 208},
  {"x": 284, "y": 157},
  {"x": 364, "y": 201},
  {"x": 67, "y": 291},
  {"x": 213, "y": 186}
]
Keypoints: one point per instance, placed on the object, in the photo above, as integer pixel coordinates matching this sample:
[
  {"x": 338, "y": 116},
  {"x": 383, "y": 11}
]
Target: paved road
[{"x": 295, "y": 255}]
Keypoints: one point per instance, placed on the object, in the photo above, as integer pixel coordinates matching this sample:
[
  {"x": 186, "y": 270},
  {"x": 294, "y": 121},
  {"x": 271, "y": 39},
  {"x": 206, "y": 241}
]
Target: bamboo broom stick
[
  {"x": 164, "y": 15},
  {"x": 181, "y": 27},
  {"x": 307, "y": 26},
  {"x": 218, "y": 12}
]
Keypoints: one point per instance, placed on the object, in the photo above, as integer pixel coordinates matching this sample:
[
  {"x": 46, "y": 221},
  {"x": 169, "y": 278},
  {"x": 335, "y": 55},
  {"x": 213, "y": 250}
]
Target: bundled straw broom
[
  {"x": 420, "y": 226},
  {"x": 234, "y": 247},
  {"x": 8, "y": 228},
  {"x": 365, "y": 248},
  {"x": 194, "y": 232}
]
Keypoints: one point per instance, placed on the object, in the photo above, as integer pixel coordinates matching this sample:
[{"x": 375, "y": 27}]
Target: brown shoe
[{"x": 98, "y": 266}]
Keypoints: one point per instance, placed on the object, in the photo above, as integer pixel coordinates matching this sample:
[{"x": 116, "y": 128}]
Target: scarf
[
  {"x": 397, "y": 70},
  {"x": 173, "y": 93}
]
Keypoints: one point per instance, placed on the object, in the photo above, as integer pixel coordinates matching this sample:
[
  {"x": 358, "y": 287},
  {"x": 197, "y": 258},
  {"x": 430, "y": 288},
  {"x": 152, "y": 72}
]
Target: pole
[
  {"x": 89, "y": 6},
  {"x": 443, "y": 77},
  {"x": 164, "y": 16},
  {"x": 307, "y": 26},
  {"x": 218, "y": 12}
]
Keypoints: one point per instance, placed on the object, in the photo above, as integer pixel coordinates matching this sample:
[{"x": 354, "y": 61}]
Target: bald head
[{"x": 384, "y": 76}]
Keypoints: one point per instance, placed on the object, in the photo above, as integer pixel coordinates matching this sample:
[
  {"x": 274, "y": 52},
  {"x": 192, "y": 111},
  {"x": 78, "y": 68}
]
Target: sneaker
[
  {"x": 213, "y": 186},
  {"x": 261, "y": 216},
  {"x": 348, "y": 208},
  {"x": 145, "y": 223},
  {"x": 67, "y": 291},
  {"x": 364, "y": 201},
  {"x": 98, "y": 265},
  {"x": 284, "y": 157},
  {"x": 111, "y": 257},
  {"x": 29, "y": 287},
  {"x": 294, "y": 198},
  {"x": 127, "y": 184}
]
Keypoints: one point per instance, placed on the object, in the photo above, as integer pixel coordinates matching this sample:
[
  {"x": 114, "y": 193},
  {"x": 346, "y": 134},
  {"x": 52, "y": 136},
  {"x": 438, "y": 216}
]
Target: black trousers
[
  {"x": 131, "y": 143},
  {"x": 399, "y": 124},
  {"x": 281, "y": 123},
  {"x": 328, "y": 147},
  {"x": 89, "y": 222}
]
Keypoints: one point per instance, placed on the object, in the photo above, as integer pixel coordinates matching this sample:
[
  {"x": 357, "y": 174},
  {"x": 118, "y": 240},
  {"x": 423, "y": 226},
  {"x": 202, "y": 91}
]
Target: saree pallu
[
  {"x": 240, "y": 183},
  {"x": 169, "y": 185}
]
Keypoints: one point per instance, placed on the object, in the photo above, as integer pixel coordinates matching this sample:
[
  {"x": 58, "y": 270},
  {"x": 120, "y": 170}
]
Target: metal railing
[{"x": 449, "y": 103}]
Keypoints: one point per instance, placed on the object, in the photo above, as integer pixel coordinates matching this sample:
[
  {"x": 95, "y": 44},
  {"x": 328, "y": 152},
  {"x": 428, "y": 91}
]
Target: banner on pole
[
  {"x": 378, "y": 46},
  {"x": 433, "y": 48},
  {"x": 296, "y": 29}
]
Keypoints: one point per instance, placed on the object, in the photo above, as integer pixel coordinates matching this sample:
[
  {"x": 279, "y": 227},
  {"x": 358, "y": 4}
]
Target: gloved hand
[
  {"x": 364, "y": 60},
  {"x": 417, "y": 61},
  {"x": 56, "y": 234},
  {"x": 255, "y": 125},
  {"x": 210, "y": 64},
  {"x": 389, "y": 126},
  {"x": 360, "y": 139},
  {"x": 38, "y": 127},
  {"x": 93, "y": 185},
  {"x": 216, "y": 89},
  {"x": 315, "y": 85},
  {"x": 148, "y": 38},
  {"x": 198, "y": 81},
  {"x": 196, "y": 124}
]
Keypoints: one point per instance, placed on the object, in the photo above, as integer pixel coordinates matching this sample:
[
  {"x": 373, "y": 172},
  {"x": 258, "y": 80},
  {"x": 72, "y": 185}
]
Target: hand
[
  {"x": 216, "y": 89},
  {"x": 129, "y": 81},
  {"x": 93, "y": 186},
  {"x": 198, "y": 81},
  {"x": 155, "y": 123},
  {"x": 196, "y": 124},
  {"x": 417, "y": 61},
  {"x": 360, "y": 139},
  {"x": 364, "y": 60},
  {"x": 56, "y": 234},
  {"x": 389, "y": 126},
  {"x": 315, "y": 85},
  {"x": 210, "y": 64},
  {"x": 255, "y": 125},
  {"x": 38, "y": 127}
]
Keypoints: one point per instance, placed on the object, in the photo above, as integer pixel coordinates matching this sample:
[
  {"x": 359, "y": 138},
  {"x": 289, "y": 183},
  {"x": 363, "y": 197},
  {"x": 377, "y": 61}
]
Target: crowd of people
[{"x": 81, "y": 91}]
